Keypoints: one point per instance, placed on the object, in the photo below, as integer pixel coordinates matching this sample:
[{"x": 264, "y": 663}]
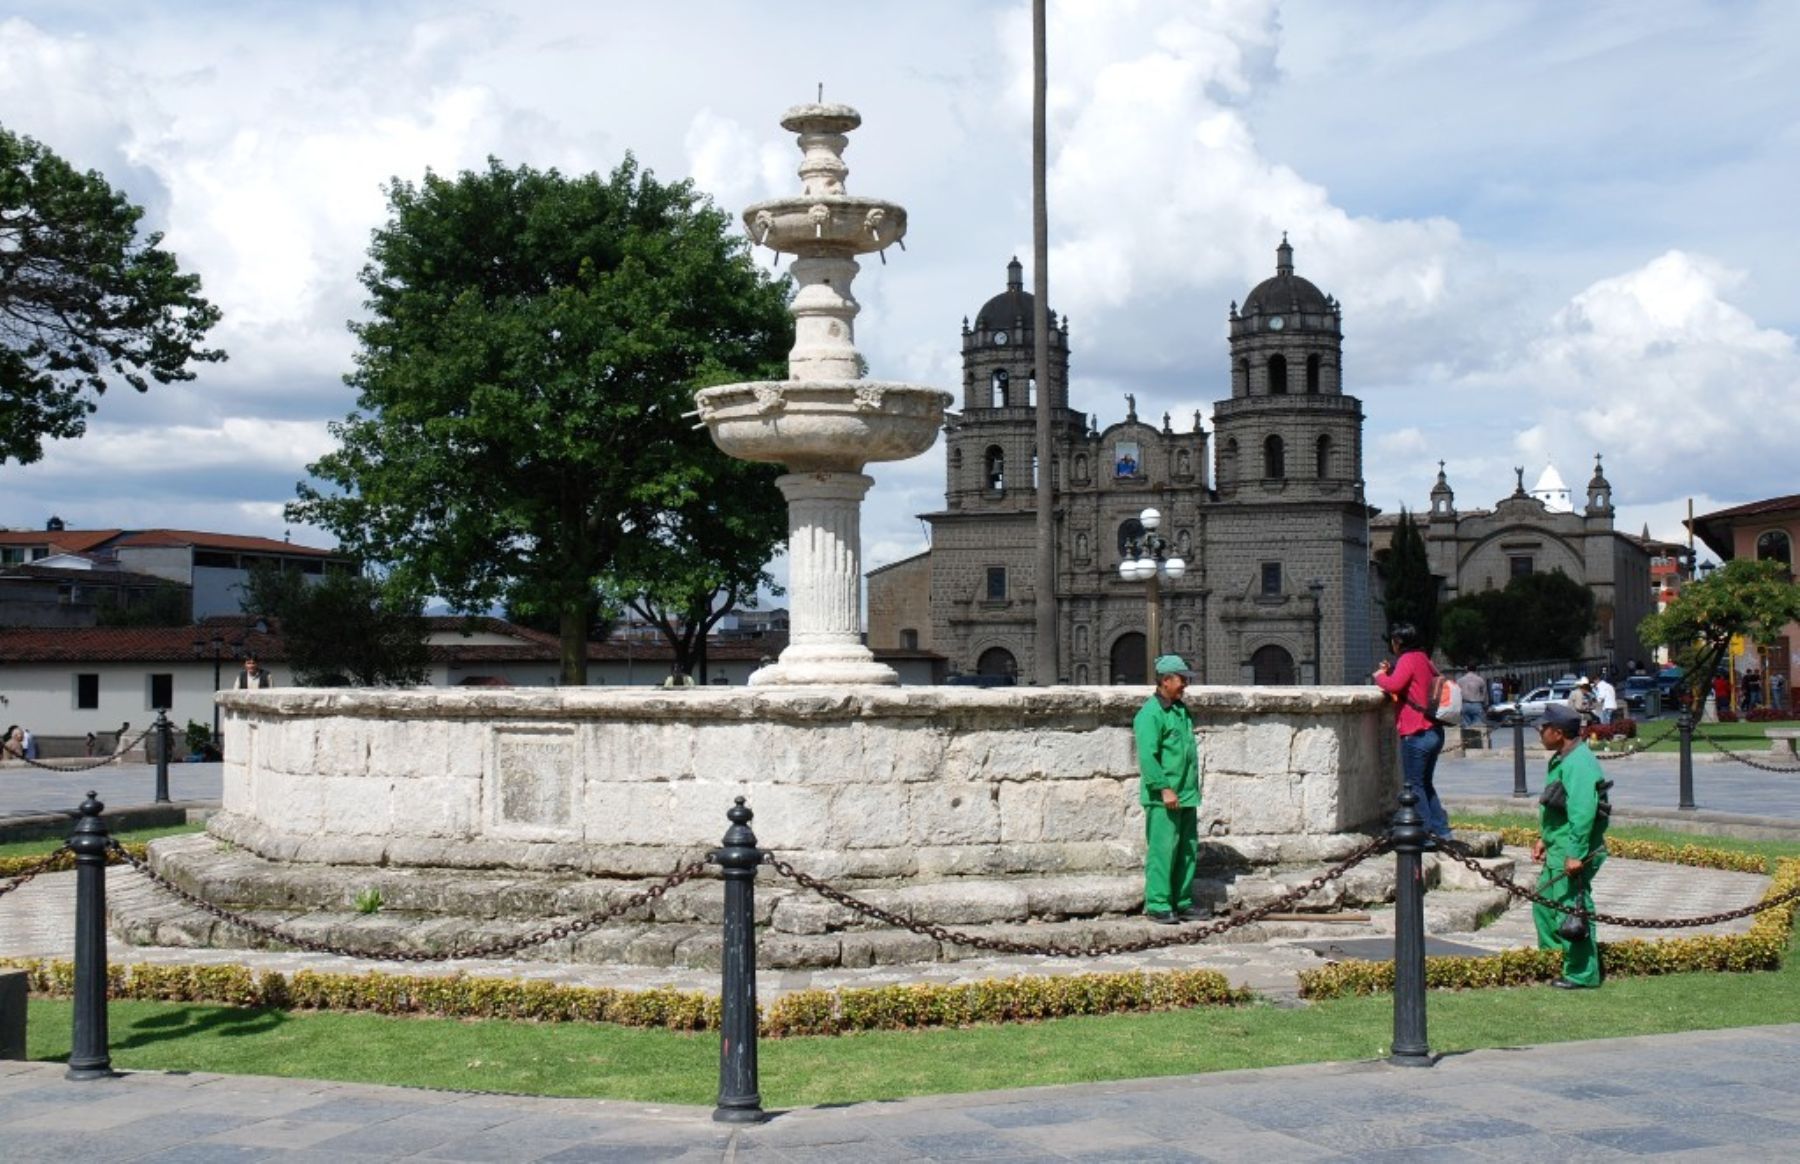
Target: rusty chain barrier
[
  {"x": 98, "y": 762},
  {"x": 1641, "y": 746},
  {"x": 496, "y": 949},
  {"x": 1678, "y": 923},
  {"x": 1741, "y": 757},
  {"x": 21, "y": 879},
  {"x": 1182, "y": 937}
]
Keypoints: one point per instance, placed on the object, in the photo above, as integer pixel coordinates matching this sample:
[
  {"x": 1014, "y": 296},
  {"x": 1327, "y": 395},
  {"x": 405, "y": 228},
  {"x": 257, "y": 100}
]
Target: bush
[{"x": 804, "y": 1012}]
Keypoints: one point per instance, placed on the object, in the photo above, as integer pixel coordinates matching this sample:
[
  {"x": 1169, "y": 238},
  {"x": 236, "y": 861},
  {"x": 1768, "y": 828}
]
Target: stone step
[
  {"x": 434, "y": 911},
  {"x": 238, "y": 880}
]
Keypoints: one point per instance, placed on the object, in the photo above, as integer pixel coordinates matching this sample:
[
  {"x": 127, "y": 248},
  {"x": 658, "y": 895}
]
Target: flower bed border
[{"x": 1762, "y": 948}]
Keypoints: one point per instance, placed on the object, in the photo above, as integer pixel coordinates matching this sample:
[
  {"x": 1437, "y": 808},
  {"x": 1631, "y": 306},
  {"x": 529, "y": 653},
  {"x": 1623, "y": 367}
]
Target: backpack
[{"x": 1443, "y": 700}]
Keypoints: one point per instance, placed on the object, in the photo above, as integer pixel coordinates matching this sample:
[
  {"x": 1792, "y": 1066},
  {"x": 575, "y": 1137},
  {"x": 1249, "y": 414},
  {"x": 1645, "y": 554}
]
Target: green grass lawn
[
  {"x": 1736, "y": 737},
  {"x": 662, "y": 1067},
  {"x": 51, "y": 844}
]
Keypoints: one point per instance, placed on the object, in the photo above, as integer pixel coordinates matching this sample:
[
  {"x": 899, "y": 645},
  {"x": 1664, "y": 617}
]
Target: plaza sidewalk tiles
[{"x": 1715, "y": 1096}]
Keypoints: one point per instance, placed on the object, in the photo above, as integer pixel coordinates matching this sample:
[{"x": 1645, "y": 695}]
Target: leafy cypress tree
[{"x": 1411, "y": 594}]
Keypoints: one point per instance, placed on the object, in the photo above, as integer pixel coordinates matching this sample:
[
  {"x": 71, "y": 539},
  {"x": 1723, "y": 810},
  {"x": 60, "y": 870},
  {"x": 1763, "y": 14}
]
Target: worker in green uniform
[
  {"x": 1571, "y": 827},
  {"x": 1169, "y": 790}
]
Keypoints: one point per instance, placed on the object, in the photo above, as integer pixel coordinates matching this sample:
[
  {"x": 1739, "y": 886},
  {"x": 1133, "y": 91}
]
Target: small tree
[
  {"x": 1757, "y": 599},
  {"x": 1549, "y": 616},
  {"x": 84, "y": 302},
  {"x": 343, "y": 631},
  {"x": 1463, "y": 633},
  {"x": 1411, "y": 594}
]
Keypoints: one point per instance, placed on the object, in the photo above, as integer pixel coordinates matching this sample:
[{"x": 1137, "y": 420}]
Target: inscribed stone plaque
[{"x": 534, "y": 773}]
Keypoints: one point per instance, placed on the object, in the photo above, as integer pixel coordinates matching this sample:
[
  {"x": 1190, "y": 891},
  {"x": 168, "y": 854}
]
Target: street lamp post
[
  {"x": 1146, "y": 560},
  {"x": 1317, "y": 586},
  {"x": 217, "y": 645}
]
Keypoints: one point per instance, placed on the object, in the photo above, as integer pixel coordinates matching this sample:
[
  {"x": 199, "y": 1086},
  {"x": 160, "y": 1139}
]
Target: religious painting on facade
[{"x": 1127, "y": 459}]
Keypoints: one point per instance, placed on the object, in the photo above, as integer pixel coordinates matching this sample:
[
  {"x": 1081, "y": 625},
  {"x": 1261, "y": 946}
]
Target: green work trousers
[
  {"x": 1581, "y": 957},
  {"x": 1171, "y": 851}
]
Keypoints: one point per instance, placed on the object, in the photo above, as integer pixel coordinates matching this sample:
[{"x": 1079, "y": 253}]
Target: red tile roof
[
  {"x": 114, "y": 644},
  {"x": 219, "y": 541},
  {"x": 73, "y": 541}
]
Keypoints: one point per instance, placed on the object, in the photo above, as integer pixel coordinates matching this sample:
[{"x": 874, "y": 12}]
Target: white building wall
[{"x": 42, "y": 696}]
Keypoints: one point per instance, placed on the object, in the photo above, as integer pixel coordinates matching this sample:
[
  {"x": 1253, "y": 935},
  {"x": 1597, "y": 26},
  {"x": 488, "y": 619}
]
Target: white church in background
[
  {"x": 1536, "y": 531},
  {"x": 1553, "y": 493}
]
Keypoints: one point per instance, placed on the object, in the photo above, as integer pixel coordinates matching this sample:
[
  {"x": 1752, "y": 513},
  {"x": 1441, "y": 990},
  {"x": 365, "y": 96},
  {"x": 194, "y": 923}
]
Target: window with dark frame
[
  {"x": 996, "y": 583},
  {"x": 1271, "y": 578},
  {"x": 1521, "y": 565},
  {"x": 87, "y": 691},
  {"x": 162, "y": 691}
]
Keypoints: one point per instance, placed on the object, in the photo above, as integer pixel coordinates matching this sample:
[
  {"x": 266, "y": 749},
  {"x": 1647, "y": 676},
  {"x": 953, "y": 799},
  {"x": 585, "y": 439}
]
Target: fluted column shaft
[{"x": 824, "y": 540}]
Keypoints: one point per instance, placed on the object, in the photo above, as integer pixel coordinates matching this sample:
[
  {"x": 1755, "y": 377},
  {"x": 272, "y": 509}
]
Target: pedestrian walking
[
  {"x": 1607, "y": 697},
  {"x": 1407, "y": 681},
  {"x": 1169, "y": 792},
  {"x": 1572, "y": 813},
  {"x": 1475, "y": 694},
  {"x": 1581, "y": 700}
]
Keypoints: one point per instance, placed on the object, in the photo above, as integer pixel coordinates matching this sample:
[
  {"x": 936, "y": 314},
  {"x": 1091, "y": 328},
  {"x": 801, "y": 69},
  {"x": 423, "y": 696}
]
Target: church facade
[
  {"x": 1537, "y": 531},
  {"x": 1275, "y": 540}
]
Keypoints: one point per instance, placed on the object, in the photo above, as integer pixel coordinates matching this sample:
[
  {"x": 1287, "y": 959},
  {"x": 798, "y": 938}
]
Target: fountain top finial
[{"x": 821, "y": 117}]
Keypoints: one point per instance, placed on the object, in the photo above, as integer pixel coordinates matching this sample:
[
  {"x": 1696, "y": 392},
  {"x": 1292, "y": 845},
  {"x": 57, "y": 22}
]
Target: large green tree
[
  {"x": 344, "y": 630},
  {"x": 85, "y": 302},
  {"x": 1537, "y": 616},
  {"x": 1755, "y": 599},
  {"x": 532, "y": 346},
  {"x": 700, "y": 561},
  {"x": 1412, "y": 592}
]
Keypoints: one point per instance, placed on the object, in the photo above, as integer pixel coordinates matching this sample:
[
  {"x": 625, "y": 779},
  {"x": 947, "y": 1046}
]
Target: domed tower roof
[
  {"x": 1286, "y": 293},
  {"x": 1012, "y": 306}
]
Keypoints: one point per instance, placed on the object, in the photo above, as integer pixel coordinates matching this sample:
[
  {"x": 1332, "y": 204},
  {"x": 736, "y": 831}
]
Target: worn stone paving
[
  {"x": 1714, "y": 1096},
  {"x": 37, "y": 921}
]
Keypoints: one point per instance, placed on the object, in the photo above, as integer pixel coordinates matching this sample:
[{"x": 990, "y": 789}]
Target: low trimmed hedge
[
  {"x": 1759, "y": 949},
  {"x": 65, "y": 860},
  {"x": 995, "y": 1000},
  {"x": 803, "y": 1012},
  {"x": 1660, "y": 851}
]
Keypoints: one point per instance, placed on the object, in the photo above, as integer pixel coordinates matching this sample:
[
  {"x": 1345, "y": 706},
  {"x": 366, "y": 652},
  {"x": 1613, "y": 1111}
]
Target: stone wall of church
[{"x": 899, "y": 601}]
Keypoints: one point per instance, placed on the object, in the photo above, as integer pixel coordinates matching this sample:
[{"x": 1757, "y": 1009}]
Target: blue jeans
[{"x": 1418, "y": 763}]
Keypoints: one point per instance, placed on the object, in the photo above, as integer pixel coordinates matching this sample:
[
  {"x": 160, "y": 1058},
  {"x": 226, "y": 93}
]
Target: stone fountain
[
  {"x": 824, "y": 422},
  {"x": 478, "y": 812}
]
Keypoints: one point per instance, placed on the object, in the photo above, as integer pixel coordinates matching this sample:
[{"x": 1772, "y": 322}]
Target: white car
[{"x": 1531, "y": 705}]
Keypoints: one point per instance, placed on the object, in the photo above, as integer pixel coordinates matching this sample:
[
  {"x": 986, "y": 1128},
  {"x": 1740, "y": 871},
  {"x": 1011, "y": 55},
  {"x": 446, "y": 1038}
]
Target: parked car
[
  {"x": 1635, "y": 691},
  {"x": 1531, "y": 705}
]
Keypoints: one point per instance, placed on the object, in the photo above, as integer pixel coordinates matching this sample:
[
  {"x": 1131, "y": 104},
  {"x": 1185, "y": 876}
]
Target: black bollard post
[
  {"x": 1408, "y": 832},
  {"x": 164, "y": 741},
  {"x": 1519, "y": 789},
  {"x": 1684, "y": 723},
  {"x": 739, "y": 1100},
  {"x": 88, "y": 1054}
]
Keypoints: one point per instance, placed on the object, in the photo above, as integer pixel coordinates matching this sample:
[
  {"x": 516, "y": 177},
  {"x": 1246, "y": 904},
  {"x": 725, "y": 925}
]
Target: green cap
[{"x": 1173, "y": 665}]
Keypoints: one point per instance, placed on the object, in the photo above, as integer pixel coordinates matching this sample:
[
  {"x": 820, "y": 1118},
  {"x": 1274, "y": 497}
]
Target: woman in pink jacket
[{"x": 1408, "y": 682}]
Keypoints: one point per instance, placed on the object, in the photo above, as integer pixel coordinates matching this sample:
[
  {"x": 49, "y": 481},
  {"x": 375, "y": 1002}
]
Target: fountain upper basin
[
  {"x": 842, "y": 223},
  {"x": 823, "y": 425}
]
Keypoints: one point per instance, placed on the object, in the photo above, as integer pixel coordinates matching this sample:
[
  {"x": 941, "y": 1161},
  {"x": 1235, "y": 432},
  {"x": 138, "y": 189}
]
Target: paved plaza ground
[{"x": 1714, "y": 1096}]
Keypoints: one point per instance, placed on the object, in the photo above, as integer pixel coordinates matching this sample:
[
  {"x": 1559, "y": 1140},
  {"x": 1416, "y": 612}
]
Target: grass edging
[
  {"x": 64, "y": 861},
  {"x": 801, "y": 1012},
  {"x": 1761, "y": 948}
]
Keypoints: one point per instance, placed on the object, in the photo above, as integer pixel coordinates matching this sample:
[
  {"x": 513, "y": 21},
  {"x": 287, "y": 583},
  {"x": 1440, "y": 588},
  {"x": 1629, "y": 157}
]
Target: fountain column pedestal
[{"x": 825, "y": 581}]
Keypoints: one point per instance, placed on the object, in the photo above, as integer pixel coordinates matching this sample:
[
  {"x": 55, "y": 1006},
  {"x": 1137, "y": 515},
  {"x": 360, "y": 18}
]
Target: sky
[{"x": 1556, "y": 230}]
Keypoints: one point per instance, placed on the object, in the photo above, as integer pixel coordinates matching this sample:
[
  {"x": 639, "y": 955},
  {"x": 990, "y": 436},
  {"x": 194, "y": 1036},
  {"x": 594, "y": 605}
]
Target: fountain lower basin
[{"x": 823, "y": 425}]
